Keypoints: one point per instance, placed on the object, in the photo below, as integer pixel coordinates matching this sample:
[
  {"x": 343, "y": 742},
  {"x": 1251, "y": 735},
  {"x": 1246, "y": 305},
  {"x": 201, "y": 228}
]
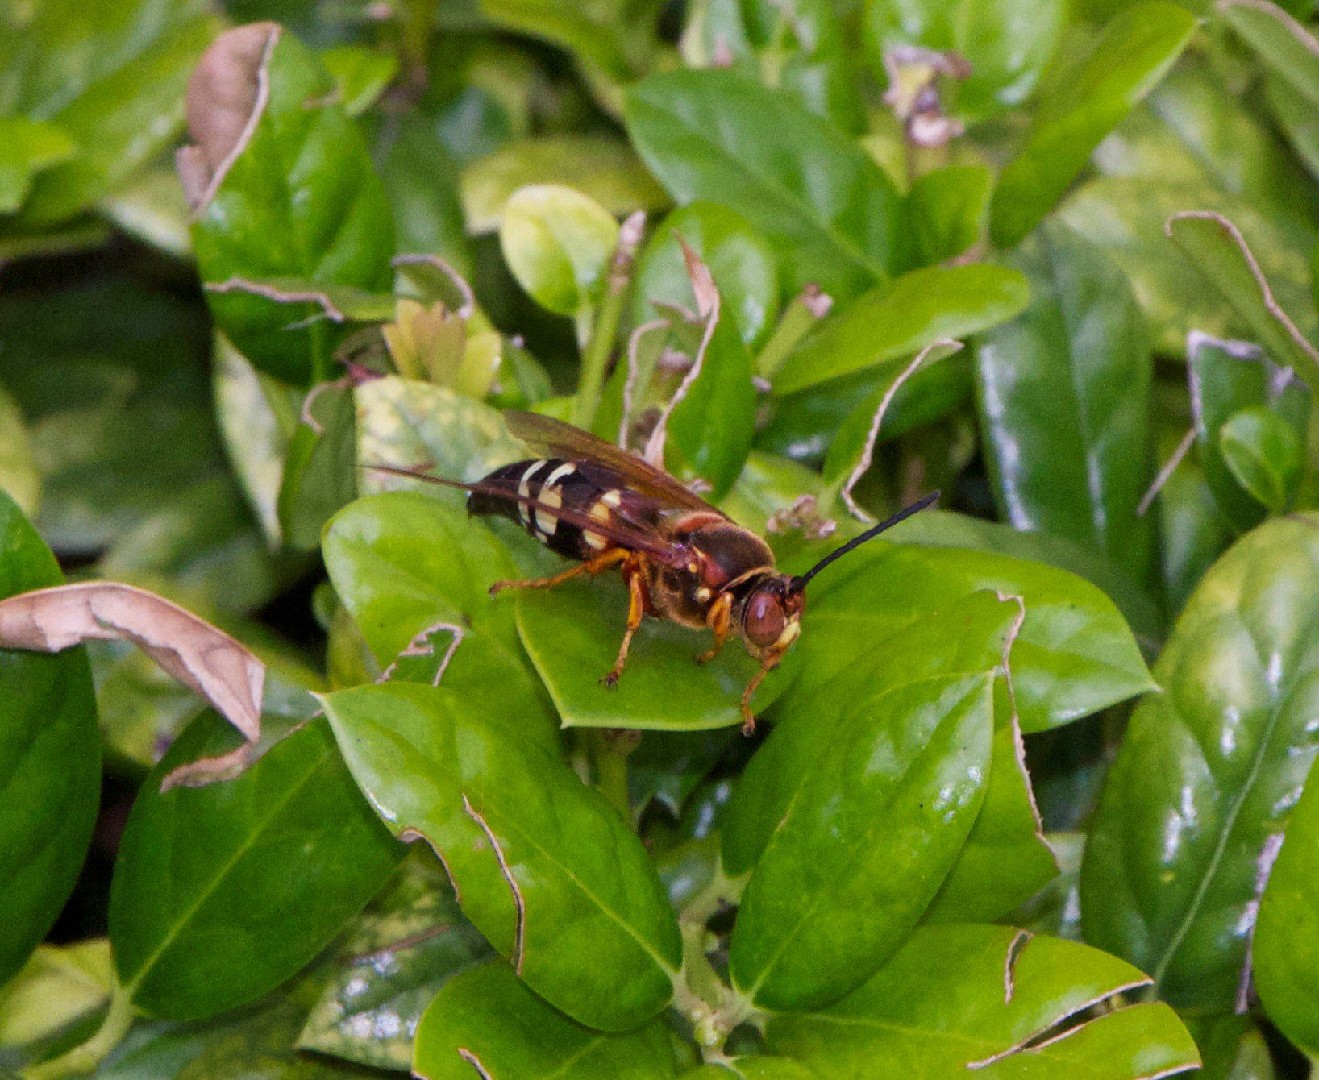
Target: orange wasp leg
[
  {"x": 766, "y": 666},
  {"x": 634, "y": 573},
  {"x": 600, "y": 563},
  {"x": 719, "y": 619}
]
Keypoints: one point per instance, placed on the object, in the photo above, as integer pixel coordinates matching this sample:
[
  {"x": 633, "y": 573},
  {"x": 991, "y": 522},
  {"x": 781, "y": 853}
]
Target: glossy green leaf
[
  {"x": 1219, "y": 250},
  {"x": 1064, "y": 399},
  {"x": 828, "y": 209},
  {"x": 1226, "y": 378},
  {"x": 1194, "y": 132},
  {"x": 1282, "y": 42},
  {"x": 486, "y": 1022},
  {"x": 752, "y": 1067},
  {"x": 414, "y": 425},
  {"x": 1286, "y": 941},
  {"x": 327, "y": 221},
  {"x": 361, "y": 74},
  {"x": 403, "y": 949},
  {"x": 602, "y": 33},
  {"x": 805, "y": 51},
  {"x": 403, "y": 564},
  {"x": 1193, "y": 530},
  {"x": 901, "y": 318},
  {"x": 50, "y": 760},
  {"x": 542, "y": 864},
  {"x": 995, "y": 1000},
  {"x": 1208, "y": 772},
  {"x": 421, "y": 177},
  {"x": 740, "y": 260},
  {"x": 221, "y": 893},
  {"x": 1007, "y": 43},
  {"x": 1265, "y": 455},
  {"x": 112, "y": 80},
  {"x": 58, "y": 999},
  {"x": 1084, "y": 104},
  {"x": 1006, "y": 859},
  {"x": 940, "y": 528},
  {"x": 26, "y": 148},
  {"x": 1231, "y": 1047},
  {"x": 558, "y": 243},
  {"x": 948, "y": 210},
  {"x": 606, "y": 170},
  {"x": 572, "y": 635},
  {"x": 853, "y": 816},
  {"x": 1073, "y": 656}
]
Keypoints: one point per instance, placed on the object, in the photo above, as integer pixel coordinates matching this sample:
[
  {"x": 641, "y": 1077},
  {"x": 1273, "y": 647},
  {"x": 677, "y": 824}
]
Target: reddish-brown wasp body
[{"x": 681, "y": 558}]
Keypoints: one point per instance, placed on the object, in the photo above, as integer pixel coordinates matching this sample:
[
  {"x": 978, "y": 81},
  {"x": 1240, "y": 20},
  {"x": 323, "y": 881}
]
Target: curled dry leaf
[
  {"x": 203, "y": 658},
  {"x": 226, "y": 94}
]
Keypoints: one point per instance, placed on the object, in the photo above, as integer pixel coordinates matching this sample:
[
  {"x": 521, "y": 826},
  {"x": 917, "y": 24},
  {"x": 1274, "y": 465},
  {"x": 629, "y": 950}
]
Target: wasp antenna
[{"x": 800, "y": 582}]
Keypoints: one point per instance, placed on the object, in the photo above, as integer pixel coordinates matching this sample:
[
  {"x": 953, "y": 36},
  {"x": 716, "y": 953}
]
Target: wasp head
[{"x": 770, "y": 617}]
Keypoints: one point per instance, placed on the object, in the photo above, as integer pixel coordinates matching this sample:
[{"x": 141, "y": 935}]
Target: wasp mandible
[{"x": 681, "y": 558}]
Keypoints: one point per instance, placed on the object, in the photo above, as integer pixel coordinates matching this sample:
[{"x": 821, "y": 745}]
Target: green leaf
[
  {"x": 326, "y": 221},
  {"x": 1265, "y": 455},
  {"x": 1208, "y": 770},
  {"x": 1006, "y": 859},
  {"x": 111, "y": 80},
  {"x": 572, "y": 635},
  {"x": 1219, "y": 250},
  {"x": 1073, "y": 656},
  {"x": 421, "y": 177},
  {"x": 361, "y": 74},
  {"x": 19, "y": 477},
  {"x": 50, "y": 760},
  {"x": 542, "y": 864},
  {"x": 409, "y": 424},
  {"x": 1064, "y": 398},
  {"x": 1281, "y": 41},
  {"x": 940, "y": 528},
  {"x": 559, "y": 244},
  {"x": 221, "y": 893},
  {"x": 857, "y": 812},
  {"x": 738, "y": 255},
  {"x": 1286, "y": 941},
  {"x": 26, "y": 148},
  {"x": 405, "y": 565},
  {"x": 901, "y": 318},
  {"x": 487, "y": 1022},
  {"x": 405, "y": 947},
  {"x": 1193, "y": 530},
  {"x": 318, "y": 477},
  {"x": 1007, "y": 43},
  {"x": 1226, "y": 378},
  {"x": 1083, "y": 105},
  {"x": 941, "y": 1006},
  {"x": 948, "y": 211},
  {"x": 613, "y": 37},
  {"x": 828, "y": 209},
  {"x": 57, "y": 1000},
  {"x": 1297, "y": 120},
  {"x": 605, "y": 170}
]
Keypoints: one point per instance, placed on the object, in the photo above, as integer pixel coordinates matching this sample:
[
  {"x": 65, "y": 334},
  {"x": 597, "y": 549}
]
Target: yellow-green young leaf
[
  {"x": 1265, "y": 455},
  {"x": 1082, "y": 106},
  {"x": 50, "y": 760},
  {"x": 542, "y": 864},
  {"x": 26, "y": 148},
  {"x": 1209, "y": 770},
  {"x": 990, "y": 1001},
  {"x": 559, "y": 244}
]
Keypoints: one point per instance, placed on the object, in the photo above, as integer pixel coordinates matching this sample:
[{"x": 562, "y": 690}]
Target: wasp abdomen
[{"x": 555, "y": 484}]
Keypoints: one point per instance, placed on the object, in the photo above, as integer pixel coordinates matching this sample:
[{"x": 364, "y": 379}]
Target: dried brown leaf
[{"x": 194, "y": 652}]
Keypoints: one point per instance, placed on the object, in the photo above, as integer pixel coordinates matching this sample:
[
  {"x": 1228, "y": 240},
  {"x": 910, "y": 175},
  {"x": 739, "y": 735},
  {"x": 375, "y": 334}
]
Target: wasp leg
[
  {"x": 634, "y": 572},
  {"x": 601, "y": 562},
  {"x": 748, "y": 718},
  {"x": 719, "y": 619}
]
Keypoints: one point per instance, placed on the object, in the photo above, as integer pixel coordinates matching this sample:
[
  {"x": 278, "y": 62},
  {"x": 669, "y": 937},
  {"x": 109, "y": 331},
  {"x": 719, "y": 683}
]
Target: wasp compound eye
[{"x": 765, "y": 618}]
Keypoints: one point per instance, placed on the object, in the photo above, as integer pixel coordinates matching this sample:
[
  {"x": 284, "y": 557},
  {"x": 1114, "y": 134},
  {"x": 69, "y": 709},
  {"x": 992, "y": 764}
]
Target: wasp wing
[
  {"x": 557, "y": 439},
  {"x": 616, "y": 530}
]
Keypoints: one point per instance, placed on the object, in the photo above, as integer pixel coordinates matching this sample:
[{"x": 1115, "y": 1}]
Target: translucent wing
[
  {"x": 557, "y": 439},
  {"x": 617, "y": 531}
]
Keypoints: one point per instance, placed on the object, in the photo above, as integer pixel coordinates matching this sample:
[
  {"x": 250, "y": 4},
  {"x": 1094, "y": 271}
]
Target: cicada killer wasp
[{"x": 680, "y": 557}]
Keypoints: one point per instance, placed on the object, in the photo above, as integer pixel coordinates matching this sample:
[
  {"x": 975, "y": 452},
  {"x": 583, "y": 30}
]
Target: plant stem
[
  {"x": 595, "y": 356},
  {"x": 610, "y": 750}
]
